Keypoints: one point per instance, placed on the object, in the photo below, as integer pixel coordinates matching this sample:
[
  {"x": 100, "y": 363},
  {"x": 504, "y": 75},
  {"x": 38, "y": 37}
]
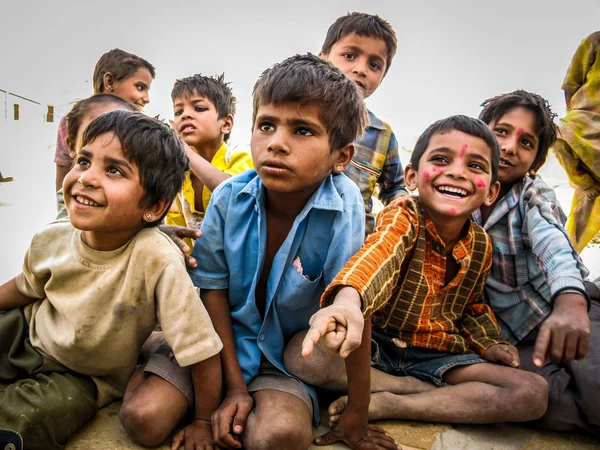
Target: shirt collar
[
  {"x": 506, "y": 203},
  {"x": 375, "y": 122},
  {"x": 462, "y": 249},
  {"x": 326, "y": 196}
]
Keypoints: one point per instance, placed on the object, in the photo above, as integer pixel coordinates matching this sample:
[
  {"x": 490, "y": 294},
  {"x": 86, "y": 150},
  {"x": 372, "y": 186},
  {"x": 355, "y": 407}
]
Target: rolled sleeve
[{"x": 391, "y": 181}]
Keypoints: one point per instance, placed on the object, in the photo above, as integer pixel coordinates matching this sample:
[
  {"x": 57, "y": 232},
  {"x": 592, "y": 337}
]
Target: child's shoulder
[
  {"x": 54, "y": 233},
  {"x": 347, "y": 190},
  {"x": 535, "y": 193}
]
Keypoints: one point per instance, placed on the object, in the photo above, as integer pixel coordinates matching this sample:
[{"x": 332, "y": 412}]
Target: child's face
[
  {"x": 516, "y": 134},
  {"x": 102, "y": 194},
  {"x": 90, "y": 115},
  {"x": 197, "y": 121},
  {"x": 362, "y": 59},
  {"x": 454, "y": 176},
  {"x": 134, "y": 89},
  {"x": 291, "y": 150}
]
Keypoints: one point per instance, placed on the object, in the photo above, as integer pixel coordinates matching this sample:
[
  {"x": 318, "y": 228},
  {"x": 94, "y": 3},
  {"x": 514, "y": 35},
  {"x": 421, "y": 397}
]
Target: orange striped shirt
[{"x": 400, "y": 274}]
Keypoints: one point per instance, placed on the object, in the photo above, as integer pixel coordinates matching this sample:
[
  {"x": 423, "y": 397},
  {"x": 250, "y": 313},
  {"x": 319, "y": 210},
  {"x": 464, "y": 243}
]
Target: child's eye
[
  {"x": 527, "y": 143},
  {"x": 178, "y": 112},
  {"x": 477, "y": 166},
  {"x": 500, "y": 131},
  {"x": 200, "y": 108},
  {"x": 266, "y": 126},
  {"x": 141, "y": 87},
  {"x": 114, "y": 171},
  {"x": 302, "y": 131},
  {"x": 83, "y": 161},
  {"x": 438, "y": 159},
  {"x": 348, "y": 55},
  {"x": 375, "y": 66}
]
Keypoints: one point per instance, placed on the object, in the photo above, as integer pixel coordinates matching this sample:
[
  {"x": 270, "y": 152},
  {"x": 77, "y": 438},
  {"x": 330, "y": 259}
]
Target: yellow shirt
[{"x": 183, "y": 212}]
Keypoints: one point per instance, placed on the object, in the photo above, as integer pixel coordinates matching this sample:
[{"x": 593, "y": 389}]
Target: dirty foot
[{"x": 380, "y": 407}]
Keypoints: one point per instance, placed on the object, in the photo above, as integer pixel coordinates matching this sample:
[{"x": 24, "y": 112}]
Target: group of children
[{"x": 446, "y": 312}]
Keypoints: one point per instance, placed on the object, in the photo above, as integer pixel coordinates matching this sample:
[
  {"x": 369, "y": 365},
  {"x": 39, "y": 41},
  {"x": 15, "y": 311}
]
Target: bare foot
[{"x": 378, "y": 407}]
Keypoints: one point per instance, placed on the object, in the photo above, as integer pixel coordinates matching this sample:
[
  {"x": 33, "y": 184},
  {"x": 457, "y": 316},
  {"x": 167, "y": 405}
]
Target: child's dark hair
[
  {"x": 80, "y": 109},
  {"x": 121, "y": 65},
  {"x": 214, "y": 89},
  {"x": 307, "y": 79},
  {"x": 496, "y": 107},
  {"x": 152, "y": 146},
  {"x": 465, "y": 124},
  {"x": 363, "y": 24}
]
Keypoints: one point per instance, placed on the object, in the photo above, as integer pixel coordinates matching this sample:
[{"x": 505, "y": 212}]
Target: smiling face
[
  {"x": 517, "y": 136},
  {"x": 360, "y": 58},
  {"x": 135, "y": 89},
  {"x": 291, "y": 150},
  {"x": 454, "y": 176},
  {"x": 197, "y": 121},
  {"x": 103, "y": 193}
]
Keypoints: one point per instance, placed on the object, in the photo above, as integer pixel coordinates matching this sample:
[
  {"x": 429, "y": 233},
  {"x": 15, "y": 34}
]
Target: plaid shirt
[
  {"x": 400, "y": 274},
  {"x": 376, "y": 162},
  {"x": 533, "y": 259}
]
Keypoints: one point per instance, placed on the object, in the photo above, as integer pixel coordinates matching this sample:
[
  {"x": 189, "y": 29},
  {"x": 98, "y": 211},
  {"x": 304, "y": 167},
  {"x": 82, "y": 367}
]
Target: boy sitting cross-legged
[
  {"x": 93, "y": 288},
  {"x": 272, "y": 240},
  {"x": 420, "y": 276},
  {"x": 362, "y": 46}
]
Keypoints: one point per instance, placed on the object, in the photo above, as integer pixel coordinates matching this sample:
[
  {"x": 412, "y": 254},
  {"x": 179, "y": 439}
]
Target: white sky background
[{"x": 452, "y": 54}]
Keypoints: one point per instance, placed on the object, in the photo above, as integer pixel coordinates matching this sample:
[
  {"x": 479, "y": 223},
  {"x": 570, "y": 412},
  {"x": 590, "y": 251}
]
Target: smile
[
  {"x": 85, "y": 201},
  {"x": 188, "y": 129},
  {"x": 505, "y": 162},
  {"x": 453, "y": 192}
]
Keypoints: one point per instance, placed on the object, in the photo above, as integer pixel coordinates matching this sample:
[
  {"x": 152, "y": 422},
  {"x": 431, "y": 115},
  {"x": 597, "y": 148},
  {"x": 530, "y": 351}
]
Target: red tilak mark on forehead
[
  {"x": 426, "y": 175},
  {"x": 452, "y": 210},
  {"x": 463, "y": 150},
  {"x": 519, "y": 132}
]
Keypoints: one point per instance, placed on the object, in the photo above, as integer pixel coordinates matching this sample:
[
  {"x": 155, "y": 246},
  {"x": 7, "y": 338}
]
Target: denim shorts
[{"x": 422, "y": 363}]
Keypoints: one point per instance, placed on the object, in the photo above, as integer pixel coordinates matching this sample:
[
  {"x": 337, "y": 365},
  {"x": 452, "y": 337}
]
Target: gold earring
[
  {"x": 149, "y": 216},
  {"x": 340, "y": 168}
]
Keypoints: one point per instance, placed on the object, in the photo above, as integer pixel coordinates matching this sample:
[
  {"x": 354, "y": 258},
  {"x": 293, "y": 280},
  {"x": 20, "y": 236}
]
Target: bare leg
[
  {"x": 329, "y": 372},
  {"x": 152, "y": 408},
  {"x": 279, "y": 420},
  {"x": 480, "y": 393}
]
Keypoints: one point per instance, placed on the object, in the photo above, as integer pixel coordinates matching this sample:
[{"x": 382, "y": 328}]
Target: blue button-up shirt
[
  {"x": 533, "y": 259},
  {"x": 231, "y": 252}
]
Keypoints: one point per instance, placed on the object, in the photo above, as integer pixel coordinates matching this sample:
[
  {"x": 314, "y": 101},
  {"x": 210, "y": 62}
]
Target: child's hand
[
  {"x": 229, "y": 419},
  {"x": 565, "y": 333},
  {"x": 177, "y": 234},
  {"x": 196, "y": 436},
  {"x": 338, "y": 328},
  {"x": 503, "y": 353},
  {"x": 357, "y": 433}
]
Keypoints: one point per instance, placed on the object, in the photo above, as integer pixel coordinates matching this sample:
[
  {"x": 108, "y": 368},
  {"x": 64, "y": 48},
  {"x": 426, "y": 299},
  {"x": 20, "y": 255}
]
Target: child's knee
[
  {"x": 140, "y": 420},
  {"x": 530, "y": 394},
  {"x": 277, "y": 435}
]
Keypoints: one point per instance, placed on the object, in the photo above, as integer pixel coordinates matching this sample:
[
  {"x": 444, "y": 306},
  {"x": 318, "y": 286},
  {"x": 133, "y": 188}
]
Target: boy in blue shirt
[
  {"x": 362, "y": 46},
  {"x": 273, "y": 238}
]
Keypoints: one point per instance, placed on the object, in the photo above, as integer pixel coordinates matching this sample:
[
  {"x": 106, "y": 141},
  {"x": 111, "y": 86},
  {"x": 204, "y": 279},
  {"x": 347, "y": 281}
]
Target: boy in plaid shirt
[{"x": 421, "y": 277}]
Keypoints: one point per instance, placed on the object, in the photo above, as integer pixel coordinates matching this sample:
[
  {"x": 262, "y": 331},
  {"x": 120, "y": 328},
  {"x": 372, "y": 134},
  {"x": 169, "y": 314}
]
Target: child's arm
[
  {"x": 210, "y": 176},
  {"x": 229, "y": 419},
  {"x": 207, "y": 379},
  {"x": 11, "y": 297},
  {"x": 353, "y": 428}
]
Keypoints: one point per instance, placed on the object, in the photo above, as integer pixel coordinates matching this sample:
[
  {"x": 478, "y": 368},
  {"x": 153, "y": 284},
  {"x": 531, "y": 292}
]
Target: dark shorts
[{"x": 405, "y": 359}]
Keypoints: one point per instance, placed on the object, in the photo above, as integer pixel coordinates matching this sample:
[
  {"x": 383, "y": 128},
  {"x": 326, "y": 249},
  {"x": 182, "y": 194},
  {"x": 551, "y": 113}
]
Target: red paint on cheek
[
  {"x": 426, "y": 176},
  {"x": 452, "y": 210},
  {"x": 463, "y": 150},
  {"x": 437, "y": 170},
  {"x": 480, "y": 183}
]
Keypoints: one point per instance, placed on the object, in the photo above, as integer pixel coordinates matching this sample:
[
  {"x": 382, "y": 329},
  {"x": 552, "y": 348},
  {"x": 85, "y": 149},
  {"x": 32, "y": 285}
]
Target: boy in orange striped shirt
[{"x": 420, "y": 276}]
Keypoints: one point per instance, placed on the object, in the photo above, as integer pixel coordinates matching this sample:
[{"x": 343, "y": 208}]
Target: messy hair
[
  {"x": 496, "y": 107},
  {"x": 121, "y": 65},
  {"x": 468, "y": 125},
  {"x": 152, "y": 146},
  {"x": 363, "y": 24},
  {"x": 81, "y": 108},
  {"x": 214, "y": 89},
  {"x": 307, "y": 79}
]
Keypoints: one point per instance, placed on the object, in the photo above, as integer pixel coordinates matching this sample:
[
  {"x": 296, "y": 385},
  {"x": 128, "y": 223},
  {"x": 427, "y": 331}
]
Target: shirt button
[{"x": 261, "y": 337}]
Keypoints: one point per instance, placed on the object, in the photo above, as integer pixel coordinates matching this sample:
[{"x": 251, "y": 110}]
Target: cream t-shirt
[{"x": 97, "y": 308}]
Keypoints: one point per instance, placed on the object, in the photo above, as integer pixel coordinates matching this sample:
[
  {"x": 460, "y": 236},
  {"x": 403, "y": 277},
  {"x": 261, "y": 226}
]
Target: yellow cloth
[
  {"x": 97, "y": 308},
  {"x": 578, "y": 145},
  {"x": 183, "y": 211}
]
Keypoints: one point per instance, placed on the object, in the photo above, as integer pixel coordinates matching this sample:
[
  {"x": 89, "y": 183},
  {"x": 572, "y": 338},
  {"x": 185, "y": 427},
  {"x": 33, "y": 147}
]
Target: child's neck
[
  {"x": 109, "y": 240},
  {"x": 450, "y": 229},
  {"x": 208, "y": 149}
]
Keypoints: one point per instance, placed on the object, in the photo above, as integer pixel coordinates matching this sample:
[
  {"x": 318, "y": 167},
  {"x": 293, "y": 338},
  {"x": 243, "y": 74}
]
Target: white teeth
[
  {"x": 452, "y": 190},
  {"x": 85, "y": 201}
]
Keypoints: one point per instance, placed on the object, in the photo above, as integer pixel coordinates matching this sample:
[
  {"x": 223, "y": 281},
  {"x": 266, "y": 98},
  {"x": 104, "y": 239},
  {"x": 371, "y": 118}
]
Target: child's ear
[
  {"x": 343, "y": 158},
  {"x": 227, "y": 124},
  {"x": 410, "y": 177},
  {"x": 324, "y": 56},
  {"x": 157, "y": 210},
  {"x": 108, "y": 82},
  {"x": 492, "y": 194}
]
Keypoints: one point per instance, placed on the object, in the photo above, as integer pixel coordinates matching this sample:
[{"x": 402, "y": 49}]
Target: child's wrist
[{"x": 348, "y": 296}]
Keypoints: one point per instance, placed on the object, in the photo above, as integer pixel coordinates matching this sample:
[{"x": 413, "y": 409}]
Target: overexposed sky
[{"x": 452, "y": 53}]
